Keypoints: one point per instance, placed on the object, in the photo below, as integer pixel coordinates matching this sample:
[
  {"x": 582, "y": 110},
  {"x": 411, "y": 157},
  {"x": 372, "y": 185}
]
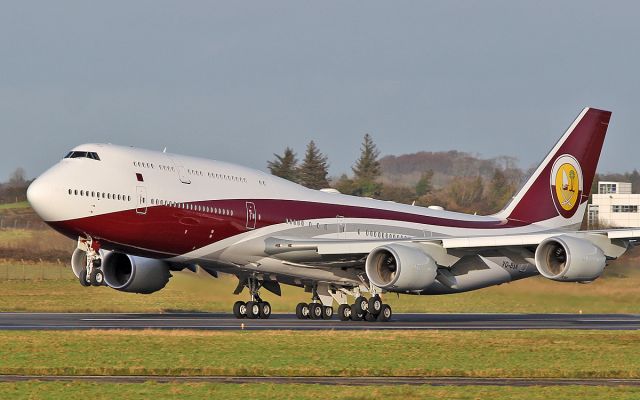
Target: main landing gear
[
  {"x": 372, "y": 309},
  {"x": 314, "y": 310},
  {"x": 369, "y": 310},
  {"x": 256, "y": 307}
]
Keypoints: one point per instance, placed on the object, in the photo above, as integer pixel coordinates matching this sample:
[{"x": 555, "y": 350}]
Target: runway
[
  {"x": 222, "y": 321},
  {"x": 328, "y": 380}
]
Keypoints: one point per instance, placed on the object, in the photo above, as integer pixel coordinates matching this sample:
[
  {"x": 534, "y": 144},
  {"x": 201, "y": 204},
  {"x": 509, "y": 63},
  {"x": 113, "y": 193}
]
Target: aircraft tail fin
[{"x": 556, "y": 194}]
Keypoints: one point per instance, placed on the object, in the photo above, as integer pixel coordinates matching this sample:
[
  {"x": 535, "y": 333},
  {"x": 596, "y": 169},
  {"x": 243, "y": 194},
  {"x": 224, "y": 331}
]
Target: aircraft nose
[
  {"x": 35, "y": 195},
  {"x": 39, "y": 198}
]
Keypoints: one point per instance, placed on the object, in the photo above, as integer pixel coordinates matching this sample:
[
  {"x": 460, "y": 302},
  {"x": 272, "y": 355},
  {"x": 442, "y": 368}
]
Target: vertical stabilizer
[{"x": 556, "y": 194}]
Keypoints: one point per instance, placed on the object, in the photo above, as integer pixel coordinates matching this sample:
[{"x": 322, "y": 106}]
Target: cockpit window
[{"x": 83, "y": 154}]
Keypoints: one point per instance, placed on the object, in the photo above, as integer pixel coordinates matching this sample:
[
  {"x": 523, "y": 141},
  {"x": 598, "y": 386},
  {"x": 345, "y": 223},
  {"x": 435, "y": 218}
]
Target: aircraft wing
[{"x": 612, "y": 242}]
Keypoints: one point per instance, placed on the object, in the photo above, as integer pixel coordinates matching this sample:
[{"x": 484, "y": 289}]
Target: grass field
[
  {"x": 29, "y": 286},
  {"x": 551, "y": 353},
  {"x": 21, "y": 205},
  {"x": 81, "y": 391}
]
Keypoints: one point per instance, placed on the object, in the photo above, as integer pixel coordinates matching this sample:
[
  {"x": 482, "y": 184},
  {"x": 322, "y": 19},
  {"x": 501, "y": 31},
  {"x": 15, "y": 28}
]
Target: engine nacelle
[
  {"x": 399, "y": 267},
  {"x": 569, "y": 259},
  {"x": 134, "y": 274}
]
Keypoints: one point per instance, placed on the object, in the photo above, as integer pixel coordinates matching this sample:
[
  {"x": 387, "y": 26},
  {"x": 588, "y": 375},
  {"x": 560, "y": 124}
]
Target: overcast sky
[{"x": 239, "y": 81}]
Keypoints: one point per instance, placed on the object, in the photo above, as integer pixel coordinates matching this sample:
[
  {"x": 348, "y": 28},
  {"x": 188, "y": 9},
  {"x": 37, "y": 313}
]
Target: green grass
[
  {"x": 15, "y": 206},
  {"x": 552, "y": 353},
  {"x": 28, "y": 286},
  {"x": 197, "y": 391}
]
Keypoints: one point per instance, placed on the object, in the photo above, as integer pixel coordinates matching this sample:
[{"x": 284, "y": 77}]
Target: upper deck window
[{"x": 83, "y": 154}]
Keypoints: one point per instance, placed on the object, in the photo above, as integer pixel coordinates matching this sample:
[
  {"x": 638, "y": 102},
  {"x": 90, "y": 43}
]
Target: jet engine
[
  {"x": 400, "y": 267},
  {"x": 134, "y": 274},
  {"x": 569, "y": 259}
]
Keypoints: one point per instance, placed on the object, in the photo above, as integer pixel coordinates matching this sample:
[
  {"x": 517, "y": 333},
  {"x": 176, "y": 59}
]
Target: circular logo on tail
[{"x": 566, "y": 185}]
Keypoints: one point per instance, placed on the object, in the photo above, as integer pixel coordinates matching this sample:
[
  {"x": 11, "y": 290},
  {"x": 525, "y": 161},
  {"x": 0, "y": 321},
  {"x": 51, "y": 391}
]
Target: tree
[
  {"x": 17, "y": 177},
  {"x": 314, "y": 169},
  {"x": 424, "y": 184},
  {"x": 499, "y": 191},
  {"x": 285, "y": 165},
  {"x": 367, "y": 169}
]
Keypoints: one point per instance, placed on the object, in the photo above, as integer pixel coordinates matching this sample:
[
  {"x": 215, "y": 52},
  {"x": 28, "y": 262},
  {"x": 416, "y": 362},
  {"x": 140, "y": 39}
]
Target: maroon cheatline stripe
[{"x": 168, "y": 231}]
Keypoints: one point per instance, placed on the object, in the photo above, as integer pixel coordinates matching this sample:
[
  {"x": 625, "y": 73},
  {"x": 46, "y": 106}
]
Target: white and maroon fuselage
[{"x": 187, "y": 209}]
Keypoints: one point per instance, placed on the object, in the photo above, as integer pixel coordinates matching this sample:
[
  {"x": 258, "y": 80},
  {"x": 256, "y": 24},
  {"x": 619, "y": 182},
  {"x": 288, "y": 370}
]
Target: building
[{"x": 614, "y": 206}]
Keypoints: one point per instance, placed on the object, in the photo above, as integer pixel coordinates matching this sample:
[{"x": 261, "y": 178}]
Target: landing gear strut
[
  {"x": 256, "y": 307},
  {"x": 90, "y": 273}
]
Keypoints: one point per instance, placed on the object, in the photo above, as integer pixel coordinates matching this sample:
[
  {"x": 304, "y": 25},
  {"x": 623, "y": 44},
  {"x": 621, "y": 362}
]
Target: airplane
[{"x": 139, "y": 215}]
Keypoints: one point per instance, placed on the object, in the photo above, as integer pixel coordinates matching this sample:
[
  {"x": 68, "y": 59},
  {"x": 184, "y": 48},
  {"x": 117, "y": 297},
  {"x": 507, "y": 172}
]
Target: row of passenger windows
[
  {"x": 99, "y": 195},
  {"x": 227, "y": 177},
  {"x": 194, "y": 172},
  {"x": 193, "y": 207},
  {"x": 143, "y": 164}
]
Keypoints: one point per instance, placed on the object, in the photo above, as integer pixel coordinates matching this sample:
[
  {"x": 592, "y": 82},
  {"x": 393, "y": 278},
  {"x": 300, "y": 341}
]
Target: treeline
[
  {"x": 15, "y": 190},
  {"x": 455, "y": 181}
]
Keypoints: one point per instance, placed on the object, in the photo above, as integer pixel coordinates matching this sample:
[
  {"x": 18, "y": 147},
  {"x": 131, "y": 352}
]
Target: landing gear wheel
[
  {"x": 369, "y": 317},
  {"x": 302, "y": 311},
  {"x": 355, "y": 314},
  {"x": 83, "y": 278},
  {"x": 96, "y": 277},
  {"x": 374, "y": 305},
  {"x": 316, "y": 310},
  {"x": 265, "y": 310},
  {"x": 253, "y": 309},
  {"x": 240, "y": 309},
  {"x": 361, "y": 304},
  {"x": 385, "y": 313},
  {"x": 327, "y": 312},
  {"x": 344, "y": 312}
]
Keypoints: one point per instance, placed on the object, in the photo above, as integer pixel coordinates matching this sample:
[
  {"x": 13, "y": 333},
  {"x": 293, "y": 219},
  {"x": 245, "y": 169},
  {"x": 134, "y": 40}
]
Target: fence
[
  {"x": 30, "y": 271},
  {"x": 21, "y": 223}
]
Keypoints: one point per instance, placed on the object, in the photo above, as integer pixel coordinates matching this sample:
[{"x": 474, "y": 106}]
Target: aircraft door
[
  {"x": 141, "y": 200},
  {"x": 252, "y": 215},
  {"x": 342, "y": 228}
]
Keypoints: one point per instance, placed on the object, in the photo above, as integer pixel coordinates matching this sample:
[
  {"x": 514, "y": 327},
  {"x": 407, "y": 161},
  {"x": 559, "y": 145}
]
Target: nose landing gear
[{"x": 87, "y": 263}]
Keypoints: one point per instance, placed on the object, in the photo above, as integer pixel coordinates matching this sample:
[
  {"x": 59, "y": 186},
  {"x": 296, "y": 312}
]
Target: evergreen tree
[
  {"x": 285, "y": 165},
  {"x": 424, "y": 184},
  {"x": 314, "y": 169},
  {"x": 367, "y": 169}
]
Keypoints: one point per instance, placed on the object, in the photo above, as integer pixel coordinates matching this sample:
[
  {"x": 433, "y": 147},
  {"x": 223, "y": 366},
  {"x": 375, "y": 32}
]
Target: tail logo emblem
[{"x": 566, "y": 185}]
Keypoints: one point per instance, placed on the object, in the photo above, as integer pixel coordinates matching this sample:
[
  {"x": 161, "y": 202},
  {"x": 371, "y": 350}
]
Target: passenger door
[
  {"x": 141, "y": 201},
  {"x": 252, "y": 215}
]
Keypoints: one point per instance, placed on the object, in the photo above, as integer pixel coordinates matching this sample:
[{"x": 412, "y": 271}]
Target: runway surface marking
[
  {"x": 327, "y": 380},
  {"x": 221, "y": 321}
]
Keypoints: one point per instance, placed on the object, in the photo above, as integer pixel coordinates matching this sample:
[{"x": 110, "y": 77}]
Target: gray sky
[{"x": 238, "y": 81}]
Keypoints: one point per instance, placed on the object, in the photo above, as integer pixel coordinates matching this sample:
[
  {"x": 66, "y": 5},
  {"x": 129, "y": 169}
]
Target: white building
[{"x": 614, "y": 206}]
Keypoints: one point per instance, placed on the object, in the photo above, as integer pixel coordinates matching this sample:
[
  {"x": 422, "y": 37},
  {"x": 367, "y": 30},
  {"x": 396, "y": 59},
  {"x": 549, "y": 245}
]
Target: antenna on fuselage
[{"x": 165, "y": 149}]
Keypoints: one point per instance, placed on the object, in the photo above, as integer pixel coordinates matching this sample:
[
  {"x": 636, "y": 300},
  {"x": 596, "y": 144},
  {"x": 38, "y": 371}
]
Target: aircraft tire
[
  {"x": 253, "y": 310},
  {"x": 344, "y": 312},
  {"x": 302, "y": 311},
  {"x": 265, "y": 310},
  {"x": 327, "y": 312},
  {"x": 361, "y": 304},
  {"x": 355, "y": 315},
  {"x": 83, "y": 278},
  {"x": 374, "y": 305},
  {"x": 385, "y": 313},
  {"x": 240, "y": 309},
  {"x": 315, "y": 310}
]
